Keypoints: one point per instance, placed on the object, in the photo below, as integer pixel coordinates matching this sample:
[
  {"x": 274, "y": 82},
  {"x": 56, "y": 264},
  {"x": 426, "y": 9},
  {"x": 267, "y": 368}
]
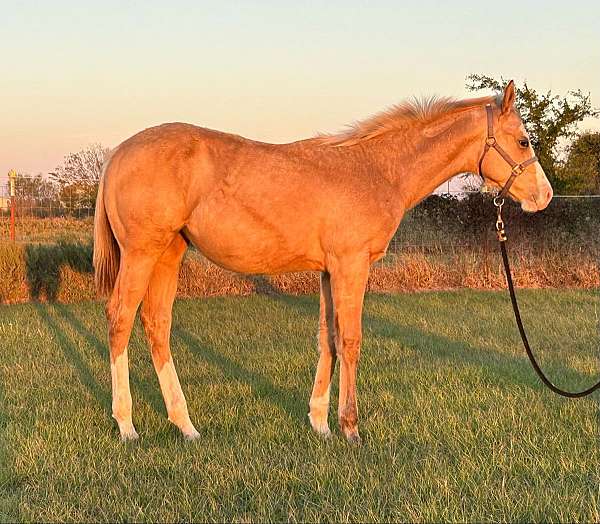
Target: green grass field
[{"x": 455, "y": 425}]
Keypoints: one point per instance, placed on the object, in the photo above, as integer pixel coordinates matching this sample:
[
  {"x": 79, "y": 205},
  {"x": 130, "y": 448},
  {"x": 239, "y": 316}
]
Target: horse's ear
[
  {"x": 440, "y": 125},
  {"x": 509, "y": 97}
]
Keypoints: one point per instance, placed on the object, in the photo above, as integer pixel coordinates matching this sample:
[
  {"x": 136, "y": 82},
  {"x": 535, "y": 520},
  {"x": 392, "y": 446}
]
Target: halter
[{"x": 490, "y": 142}]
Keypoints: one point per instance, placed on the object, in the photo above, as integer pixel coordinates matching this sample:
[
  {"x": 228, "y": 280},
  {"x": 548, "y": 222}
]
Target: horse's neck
[{"x": 417, "y": 164}]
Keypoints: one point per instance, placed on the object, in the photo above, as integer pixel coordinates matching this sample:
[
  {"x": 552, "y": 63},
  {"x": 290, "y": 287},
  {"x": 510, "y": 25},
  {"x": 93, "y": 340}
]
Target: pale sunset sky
[{"x": 74, "y": 72}]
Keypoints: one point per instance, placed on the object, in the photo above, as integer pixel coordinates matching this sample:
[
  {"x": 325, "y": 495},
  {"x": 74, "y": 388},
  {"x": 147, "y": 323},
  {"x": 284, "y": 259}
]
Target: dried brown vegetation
[{"x": 62, "y": 272}]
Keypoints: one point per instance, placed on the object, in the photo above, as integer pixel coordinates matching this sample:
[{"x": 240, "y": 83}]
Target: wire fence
[{"x": 34, "y": 209}]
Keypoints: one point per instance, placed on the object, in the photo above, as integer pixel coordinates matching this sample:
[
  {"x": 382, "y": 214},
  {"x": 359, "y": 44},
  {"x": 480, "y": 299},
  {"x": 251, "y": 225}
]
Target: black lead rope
[{"x": 515, "y": 305}]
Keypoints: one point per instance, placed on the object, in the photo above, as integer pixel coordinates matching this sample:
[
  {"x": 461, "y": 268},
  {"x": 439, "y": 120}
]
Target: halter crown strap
[
  {"x": 491, "y": 142},
  {"x": 490, "y": 121}
]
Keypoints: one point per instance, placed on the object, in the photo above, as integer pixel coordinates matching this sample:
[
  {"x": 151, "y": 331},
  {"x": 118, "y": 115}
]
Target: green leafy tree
[
  {"x": 580, "y": 173},
  {"x": 551, "y": 120}
]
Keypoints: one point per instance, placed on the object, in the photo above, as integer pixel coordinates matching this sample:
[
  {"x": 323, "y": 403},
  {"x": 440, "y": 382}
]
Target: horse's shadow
[
  {"x": 286, "y": 399},
  {"x": 73, "y": 356},
  {"x": 499, "y": 367},
  {"x": 149, "y": 391},
  {"x": 43, "y": 264}
]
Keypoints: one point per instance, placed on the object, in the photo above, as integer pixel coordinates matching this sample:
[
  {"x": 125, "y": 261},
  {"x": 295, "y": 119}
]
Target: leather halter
[{"x": 490, "y": 142}]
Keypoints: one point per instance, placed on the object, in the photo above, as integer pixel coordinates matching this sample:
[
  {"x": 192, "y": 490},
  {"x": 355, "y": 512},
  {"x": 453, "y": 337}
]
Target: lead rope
[{"x": 499, "y": 202}]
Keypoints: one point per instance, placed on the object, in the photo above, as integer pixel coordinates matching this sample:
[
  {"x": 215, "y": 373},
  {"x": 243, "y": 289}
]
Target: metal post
[{"x": 12, "y": 176}]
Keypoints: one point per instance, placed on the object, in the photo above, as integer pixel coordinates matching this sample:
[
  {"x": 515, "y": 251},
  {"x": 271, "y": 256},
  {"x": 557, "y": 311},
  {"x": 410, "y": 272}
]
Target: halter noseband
[{"x": 490, "y": 142}]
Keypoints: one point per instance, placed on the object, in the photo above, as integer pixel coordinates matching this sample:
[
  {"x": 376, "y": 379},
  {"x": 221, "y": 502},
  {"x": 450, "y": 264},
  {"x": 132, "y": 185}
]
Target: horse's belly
[{"x": 244, "y": 244}]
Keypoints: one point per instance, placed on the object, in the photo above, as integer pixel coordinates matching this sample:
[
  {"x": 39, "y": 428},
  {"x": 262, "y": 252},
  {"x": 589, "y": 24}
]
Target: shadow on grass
[
  {"x": 262, "y": 285},
  {"x": 75, "y": 359},
  {"x": 285, "y": 399},
  {"x": 457, "y": 352},
  {"x": 43, "y": 263},
  {"x": 150, "y": 392},
  {"x": 497, "y": 367}
]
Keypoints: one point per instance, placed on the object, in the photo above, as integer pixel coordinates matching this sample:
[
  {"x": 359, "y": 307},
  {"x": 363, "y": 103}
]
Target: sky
[{"x": 76, "y": 73}]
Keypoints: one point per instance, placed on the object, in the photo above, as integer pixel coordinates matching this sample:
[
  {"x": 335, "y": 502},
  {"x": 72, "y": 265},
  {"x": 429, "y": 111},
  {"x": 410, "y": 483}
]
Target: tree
[
  {"x": 78, "y": 177},
  {"x": 550, "y": 120},
  {"x": 580, "y": 173}
]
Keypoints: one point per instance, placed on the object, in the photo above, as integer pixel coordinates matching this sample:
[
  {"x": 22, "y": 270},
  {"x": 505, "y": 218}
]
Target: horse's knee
[
  {"x": 349, "y": 350},
  {"x": 155, "y": 324}
]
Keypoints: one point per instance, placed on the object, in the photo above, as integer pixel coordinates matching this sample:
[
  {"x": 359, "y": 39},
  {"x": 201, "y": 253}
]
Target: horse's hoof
[
  {"x": 321, "y": 429},
  {"x": 325, "y": 434},
  {"x": 191, "y": 435},
  {"x": 130, "y": 435},
  {"x": 354, "y": 439}
]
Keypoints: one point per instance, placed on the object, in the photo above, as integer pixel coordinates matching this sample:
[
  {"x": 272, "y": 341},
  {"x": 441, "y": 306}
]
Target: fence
[{"x": 36, "y": 210}]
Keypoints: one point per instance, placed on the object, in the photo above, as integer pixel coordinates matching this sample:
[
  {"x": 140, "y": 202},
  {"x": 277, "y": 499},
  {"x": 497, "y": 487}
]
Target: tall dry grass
[
  {"x": 63, "y": 272},
  {"x": 47, "y": 229}
]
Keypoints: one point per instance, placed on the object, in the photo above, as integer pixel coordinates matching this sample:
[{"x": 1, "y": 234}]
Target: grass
[
  {"x": 35, "y": 229},
  {"x": 456, "y": 427}
]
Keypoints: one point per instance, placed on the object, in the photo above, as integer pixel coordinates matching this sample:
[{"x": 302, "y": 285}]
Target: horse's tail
[{"x": 106, "y": 250}]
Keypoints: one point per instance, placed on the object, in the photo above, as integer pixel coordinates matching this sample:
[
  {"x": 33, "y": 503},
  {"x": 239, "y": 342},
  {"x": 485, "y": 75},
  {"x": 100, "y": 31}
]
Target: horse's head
[{"x": 508, "y": 160}]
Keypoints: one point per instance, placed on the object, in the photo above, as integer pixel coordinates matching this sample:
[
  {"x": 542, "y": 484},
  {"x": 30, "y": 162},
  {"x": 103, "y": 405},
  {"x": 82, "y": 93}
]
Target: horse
[{"x": 329, "y": 204}]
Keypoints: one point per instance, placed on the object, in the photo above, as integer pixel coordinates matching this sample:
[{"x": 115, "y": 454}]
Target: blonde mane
[{"x": 423, "y": 110}]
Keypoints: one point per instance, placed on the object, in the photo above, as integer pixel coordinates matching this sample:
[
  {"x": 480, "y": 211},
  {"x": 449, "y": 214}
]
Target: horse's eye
[{"x": 524, "y": 142}]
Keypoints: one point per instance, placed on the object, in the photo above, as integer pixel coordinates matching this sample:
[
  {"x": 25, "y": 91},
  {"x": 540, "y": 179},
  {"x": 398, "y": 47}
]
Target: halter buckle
[
  {"x": 490, "y": 141},
  {"x": 500, "y": 233},
  {"x": 518, "y": 169}
]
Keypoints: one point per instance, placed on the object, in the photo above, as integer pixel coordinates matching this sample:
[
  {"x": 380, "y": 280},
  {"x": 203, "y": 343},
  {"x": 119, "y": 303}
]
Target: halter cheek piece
[{"x": 490, "y": 142}]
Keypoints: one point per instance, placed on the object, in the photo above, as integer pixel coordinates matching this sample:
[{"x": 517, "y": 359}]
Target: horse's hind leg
[
  {"x": 135, "y": 269},
  {"x": 319, "y": 399},
  {"x": 156, "y": 316}
]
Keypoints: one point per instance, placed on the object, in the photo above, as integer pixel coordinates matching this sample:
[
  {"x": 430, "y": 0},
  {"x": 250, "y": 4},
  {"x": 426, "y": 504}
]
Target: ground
[{"x": 455, "y": 424}]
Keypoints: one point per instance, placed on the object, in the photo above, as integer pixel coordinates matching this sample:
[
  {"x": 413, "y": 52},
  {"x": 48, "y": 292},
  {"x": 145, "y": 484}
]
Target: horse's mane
[{"x": 423, "y": 110}]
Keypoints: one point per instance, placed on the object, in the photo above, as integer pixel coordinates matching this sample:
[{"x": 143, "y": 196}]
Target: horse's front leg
[
  {"x": 319, "y": 399},
  {"x": 348, "y": 282}
]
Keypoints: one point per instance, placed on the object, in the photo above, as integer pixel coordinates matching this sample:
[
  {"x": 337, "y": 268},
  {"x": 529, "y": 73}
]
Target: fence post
[{"x": 12, "y": 176}]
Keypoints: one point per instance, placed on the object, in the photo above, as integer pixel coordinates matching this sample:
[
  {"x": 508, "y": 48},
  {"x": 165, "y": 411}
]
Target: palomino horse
[{"x": 328, "y": 204}]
